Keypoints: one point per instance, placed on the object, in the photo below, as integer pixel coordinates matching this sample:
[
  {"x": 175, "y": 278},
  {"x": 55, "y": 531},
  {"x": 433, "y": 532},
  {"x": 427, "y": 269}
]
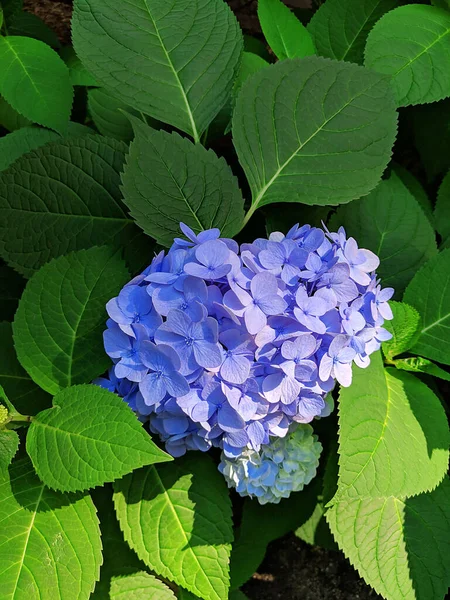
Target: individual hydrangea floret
[
  {"x": 227, "y": 346},
  {"x": 284, "y": 466}
]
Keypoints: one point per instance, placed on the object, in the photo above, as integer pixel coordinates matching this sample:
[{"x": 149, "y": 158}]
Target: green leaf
[
  {"x": 400, "y": 547},
  {"x": 403, "y": 327},
  {"x": 390, "y": 222},
  {"x": 393, "y": 437},
  {"x": 27, "y": 397},
  {"x": 284, "y": 33},
  {"x": 62, "y": 197},
  {"x": 429, "y": 293},
  {"x": 61, "y": 317},
  {"x": 340, "y": 27},
  {"x": 11, "y": 288},
  {"x": 50, "y": 541},
  {"x": 19, "y": 142},
  {"x": 168, "y": 179},
  {"x": 9, "y": 444},
  {"x": 118, "y": 557},
  {"x": 35, "y": 81},
  {"x": 441, "y": 4},
  {"x": 421, "y": 365},
  {"x": 416, "y": 190},
  {"x": 108, "y": 116},
  {"x": 442, "y": 210},
  {"x": 185, "y": 56},
  {"x": 292, "y": 132},
  {"x": 11, "y": 8},
  {"x": 432, "y": 136},
  {"x": 412, "y": 45},
  {"x": 78, "y": 73},
  {"x": 252, "y": 539},
  {"x": 10, "y": 119},
  {"x": 256, "y": 46},
  {"x": 177, "y": 517},
  {"x": 30, "y": 25},
  {"x": 250, "y": 64},
  {"x": 72, "y": 449},
  {"x": 140, "y": 586},
  {"x": 316, "y": 531}
]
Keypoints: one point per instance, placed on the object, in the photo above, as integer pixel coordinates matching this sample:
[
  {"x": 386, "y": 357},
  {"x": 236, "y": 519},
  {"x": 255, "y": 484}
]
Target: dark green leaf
[
  {"x": 10, "y": 119},
  {"x": 19, "y": 142},
  {"x": 30, "y": 25},
  {"x": 416, "y": 190},
  {"x": 11, "y": 288},
  {"x": 109, "y": 114},
  {"x": 77, "y": 71}
]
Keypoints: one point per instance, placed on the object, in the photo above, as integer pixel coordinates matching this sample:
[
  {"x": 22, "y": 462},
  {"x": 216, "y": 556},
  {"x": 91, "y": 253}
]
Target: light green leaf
[
  {"x": 393, "y": 435},
  {"x": 421, "y": 365},
  {"x": 339, "y": 28},
  {"x": 9, "y": 444},
  {"x": 400, "y": 547},
  {"x": 62, "y": 197},
  {"x": 50, "y": 541},
  {"x": 185, "y": 56},
  {"x": 412, "y": 45},
  {"x": 250, "y": 64},
  {"x": 140, "y": 586},
  {"x": 390, "y": 222},
  {"x": 429, "y": 293},
  {"x": 442, "y": 210},
  {"x": 403, "y": 327},
  {"x": 417, "y": 190},
  {"x": 27, "y": 397},
  {"x": 294, "y": 131},
  {"x": 61, "y": 317},
  {"x": 168, "y": 179},
  {"x": 89, "y": 437},
  {"x": 30, "y": 25},
  {"x": 118, "y": 557},
  {"x": 78, "y": 73},
  {"x": 177, "y": 517},
  {"x": 431, "y": 124},
  {"x": 19, "y": 142},
  {"x": 108, "y": 116},
  {"x": 284, "y": 33},
  {"x": 35, "y": 81}
]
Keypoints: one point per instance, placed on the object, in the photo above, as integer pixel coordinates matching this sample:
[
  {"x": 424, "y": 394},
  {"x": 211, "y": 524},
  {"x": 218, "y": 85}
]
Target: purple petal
[
  {"x": 272, "y": 305},
  {"x": 325, "y": 367},
  {"x": 254, "y": 319}
]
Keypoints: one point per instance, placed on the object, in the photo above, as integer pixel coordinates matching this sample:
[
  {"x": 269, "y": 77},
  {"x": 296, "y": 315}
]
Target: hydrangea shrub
[{"x": 224, "y": 283}]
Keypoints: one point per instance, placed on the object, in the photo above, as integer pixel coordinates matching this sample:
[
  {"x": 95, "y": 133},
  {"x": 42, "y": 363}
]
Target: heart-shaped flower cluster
[{"x": 220, "y": 345}]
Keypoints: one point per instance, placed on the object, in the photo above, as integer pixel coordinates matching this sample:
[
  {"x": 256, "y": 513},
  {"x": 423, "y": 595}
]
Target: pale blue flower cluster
[{"x": 227, "y": 346}]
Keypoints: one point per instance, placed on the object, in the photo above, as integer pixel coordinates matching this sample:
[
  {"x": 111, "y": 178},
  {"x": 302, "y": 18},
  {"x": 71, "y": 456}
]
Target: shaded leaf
[
  {"x": 30, "y": 25},
  {"x": 432, "y": 136},
  {"x": 421, "y": 365},
  {"x": 19, "y": 142},
  {"x": 78, "y": 73},
  {"x": 442, "y": 210},
  {"x": 108, "y": 116}
]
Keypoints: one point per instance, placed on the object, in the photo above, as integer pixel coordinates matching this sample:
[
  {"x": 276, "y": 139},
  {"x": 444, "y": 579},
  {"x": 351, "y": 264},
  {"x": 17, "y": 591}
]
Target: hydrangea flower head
[{"x": 233, "y": 347}]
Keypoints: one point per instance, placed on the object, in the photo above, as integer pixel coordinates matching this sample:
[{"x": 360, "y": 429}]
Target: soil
[{"x": 291, "y": 570}]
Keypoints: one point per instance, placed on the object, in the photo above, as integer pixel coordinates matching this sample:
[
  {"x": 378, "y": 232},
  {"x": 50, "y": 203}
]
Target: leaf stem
[
  {"x": 17, "y": 417},
  {"x": 249, "y": 214}
]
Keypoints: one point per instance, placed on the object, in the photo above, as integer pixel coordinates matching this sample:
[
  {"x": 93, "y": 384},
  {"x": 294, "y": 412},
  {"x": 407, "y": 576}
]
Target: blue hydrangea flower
[{"x": 217, "y": 345}]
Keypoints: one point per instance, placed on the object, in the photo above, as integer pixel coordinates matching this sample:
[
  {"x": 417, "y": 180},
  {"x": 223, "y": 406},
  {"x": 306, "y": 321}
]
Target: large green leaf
[
  {"x": 412, "y": 45},
  {"x": 177, "y": 517},
  {"x": 108, "y": 116},
  {"x": 62, "y": 197},
  {"x": 284, "y": 33},
  {"x": 168, "y": 179},
  {"x": 10, "y": 119},
  {"x": 400, "y": 547},
  {"x": 19, "y": 142},
  {"x": 391, "y": 223},
  {"x": 429, "y": 293},
  {"x": 50, "y": 542},
  {"x": 35, "y": 81},
  {"x": 184, "y": 53},
  {"x": 140, "y": 586},
  {"x": 294, "y": 131},
  {"x": 27, "y": 397},
  {"x": 403, "y": 327},
  {"x": 340, "y": 27},
  {"x": 61, "y": 316},
  {"x": 89, "y": 437},
  {"x": 393, "y": 435},
  {"x": 442, "y": 210}
]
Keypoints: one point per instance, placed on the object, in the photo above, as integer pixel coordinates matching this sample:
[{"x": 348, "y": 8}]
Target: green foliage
[
  {"x": 110, "y": 115},
  {"x": 177, "y": 517},
  {"x": 340, "y": 27},
  {"x": 429, "y": 293},
  {"x": 284, "y": 33},
  {"x": 442, "y": 210},
  {"x": 182, "y": 49},
  {"x": 393, "y": 437},
  {"x": 49, "y": 541},
  {"x": 20, "y": 142},
  {"x": 412, "y": 45},
  {"x": 9, "y": 440},
  {"x": 62, "y": 197},
  {"x": 78, "y": 73},
  {"x": 168, "y": 179},
  {"x": 35, "y": 81},
  {"x": 404, "y": 328},
  {"x": 311, "y": 156},
  {"x": 30, "y": 25},
  {"x": 417, "y": 190},
  {"x": 316, "y": 531},
  {"x": 61, "y": 316},
  {"x": 421, "y": 365},
  {"x": 411, "y": 537},
  {"x": 140, "y": 586},
  {"x": 72, "y": 449},
  {"x": 10, "y": 119},
  {"x": 394, "y": 226}
]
